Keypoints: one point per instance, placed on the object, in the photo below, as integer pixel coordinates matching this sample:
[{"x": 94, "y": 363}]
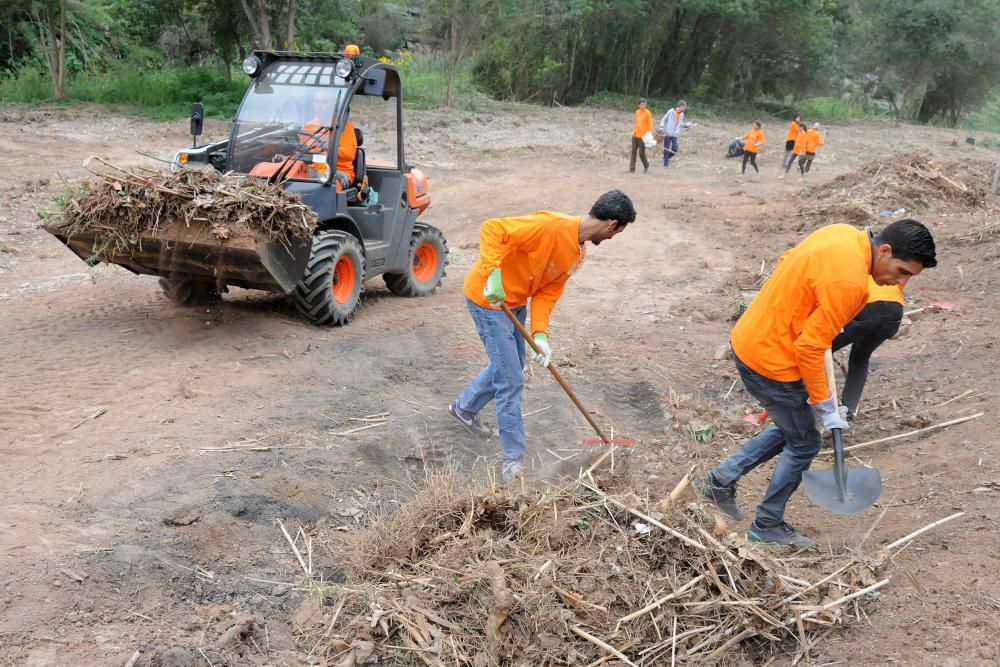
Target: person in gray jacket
[{"x": 670, "y": 127}]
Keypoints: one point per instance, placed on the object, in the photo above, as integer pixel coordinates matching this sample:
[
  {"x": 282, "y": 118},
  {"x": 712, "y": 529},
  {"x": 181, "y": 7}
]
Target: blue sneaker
[{"x": 469, "y": 421}]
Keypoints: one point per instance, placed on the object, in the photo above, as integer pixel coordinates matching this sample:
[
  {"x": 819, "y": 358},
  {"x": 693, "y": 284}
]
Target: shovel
[
  {"x": 834, "y": 489},
  {"x": 562, "y": 383}
]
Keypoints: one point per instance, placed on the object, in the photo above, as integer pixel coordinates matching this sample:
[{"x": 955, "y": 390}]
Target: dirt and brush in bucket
[{"x": 119, "y": 206}]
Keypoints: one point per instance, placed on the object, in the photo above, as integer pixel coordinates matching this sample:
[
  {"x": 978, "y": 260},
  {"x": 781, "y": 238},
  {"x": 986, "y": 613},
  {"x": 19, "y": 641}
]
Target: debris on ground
[
  {"x": 906, "y": 182},
  {"x": 119, "y": 206},
  {"x": 565, "y": 575}
]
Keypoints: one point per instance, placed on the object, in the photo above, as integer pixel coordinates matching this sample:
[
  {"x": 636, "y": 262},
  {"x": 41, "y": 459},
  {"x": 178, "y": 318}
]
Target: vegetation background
[{"x": 935, "y": 61}]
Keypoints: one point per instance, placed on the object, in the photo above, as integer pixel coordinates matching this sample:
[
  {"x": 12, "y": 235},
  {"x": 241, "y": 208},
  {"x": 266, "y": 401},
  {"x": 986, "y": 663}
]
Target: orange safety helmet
[{"x": 352, "y": 50}]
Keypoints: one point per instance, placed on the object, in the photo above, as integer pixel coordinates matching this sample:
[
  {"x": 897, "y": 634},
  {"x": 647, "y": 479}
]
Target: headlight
[
  {"x": 344, "y": 68},
  {"x": 251, "y": 65}
]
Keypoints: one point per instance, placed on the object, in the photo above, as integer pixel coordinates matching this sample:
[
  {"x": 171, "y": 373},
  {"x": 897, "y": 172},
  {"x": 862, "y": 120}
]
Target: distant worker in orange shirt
[
  {"x": 752, "y": 141},
  {"x": 643, "y": 126},
  {"x": 778, "y": 346},
  {"x": 521, "y": 259},
  {"x": 798, "y": 148},
  {"x": 813, "y": 140},
  {"x": 793, "y": 133},
  {"x": 347, "y": 148},
  {"x": 876, "y": 323}
]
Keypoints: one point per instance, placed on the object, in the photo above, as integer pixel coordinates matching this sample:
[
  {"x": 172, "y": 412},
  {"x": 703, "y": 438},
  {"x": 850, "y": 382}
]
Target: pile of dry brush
[
  {"x": 911, "y": 181},
  {"x": 119, "y": 206},
  {"x": 579, "y": 574}
]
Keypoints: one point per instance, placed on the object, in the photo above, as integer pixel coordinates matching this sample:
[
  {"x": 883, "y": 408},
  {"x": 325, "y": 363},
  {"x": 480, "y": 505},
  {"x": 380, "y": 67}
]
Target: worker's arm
[
  {"x": 838, "y": 303},
  {"x": 348, "y": 146},
  {"x": 543, "y": 302},
  {"x": 645, "y": 123}
]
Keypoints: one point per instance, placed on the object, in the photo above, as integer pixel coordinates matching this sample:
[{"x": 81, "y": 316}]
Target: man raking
[{"x": 521, "y": 259}]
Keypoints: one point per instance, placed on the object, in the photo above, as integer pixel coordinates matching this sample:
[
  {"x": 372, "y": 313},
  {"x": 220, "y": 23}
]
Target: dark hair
[
  {"x": 614, "y": 205},
  {"x": 642, "y": 100},
  {"x": 909, "y": 240}
]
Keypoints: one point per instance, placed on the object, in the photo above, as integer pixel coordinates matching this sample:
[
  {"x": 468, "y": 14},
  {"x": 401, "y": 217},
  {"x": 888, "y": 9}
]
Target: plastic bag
[{"x": 649, "y": 140}]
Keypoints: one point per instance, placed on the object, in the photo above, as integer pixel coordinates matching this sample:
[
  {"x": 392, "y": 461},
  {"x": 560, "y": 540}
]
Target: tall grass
[
  {"x": 987, "y": 118},
  {"x": 824, "y": 109},
  {"x": 159, "y": 93}
]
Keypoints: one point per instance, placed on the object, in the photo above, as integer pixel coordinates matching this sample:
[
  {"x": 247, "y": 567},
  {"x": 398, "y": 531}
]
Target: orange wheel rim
[
  {"x": 425, "y": 260},
  {"x": 343, "y": 280}
]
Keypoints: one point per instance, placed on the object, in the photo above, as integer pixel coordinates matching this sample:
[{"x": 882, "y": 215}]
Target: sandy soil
[{"x": 149, "y": 451}]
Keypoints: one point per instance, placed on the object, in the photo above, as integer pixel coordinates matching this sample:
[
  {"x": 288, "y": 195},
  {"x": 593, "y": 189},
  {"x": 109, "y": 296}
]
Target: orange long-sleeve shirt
[
  {"x": 793, "y": 131},
  {"x": 535, "y": 254},
  {"x": 813, "y": 140},
  {"x": 876, "y": 292},
  {"x": 643, "y": 123},
  {"x": 817, "y": 287},
  {"x": 800, "y": 143},
  {"x": 751, "y": 138}
]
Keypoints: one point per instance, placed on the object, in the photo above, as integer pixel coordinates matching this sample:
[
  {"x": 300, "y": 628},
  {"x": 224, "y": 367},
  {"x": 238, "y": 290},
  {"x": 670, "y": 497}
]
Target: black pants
[
  {"x": 752, "y": 157},
  {"x": 877, "y": 322},
  {"x": 640, "y": 146},
  {"x": 805, "y": 162},
  {"x": 789, "y": 148}
]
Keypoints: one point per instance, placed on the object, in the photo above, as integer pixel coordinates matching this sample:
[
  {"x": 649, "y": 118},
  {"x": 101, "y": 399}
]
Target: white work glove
[
  {"x": 543, "y": 359},
  {"x": 828, "y": 414}
]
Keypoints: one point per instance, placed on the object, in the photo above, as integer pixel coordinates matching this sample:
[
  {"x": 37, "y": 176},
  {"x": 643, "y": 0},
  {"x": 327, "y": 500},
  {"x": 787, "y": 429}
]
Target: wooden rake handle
[{"x": 555, "y": 374}]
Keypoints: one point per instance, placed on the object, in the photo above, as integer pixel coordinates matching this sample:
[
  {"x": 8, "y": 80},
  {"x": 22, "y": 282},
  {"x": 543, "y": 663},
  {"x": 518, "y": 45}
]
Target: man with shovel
[
  {"x": 779, "y": 345},
  {"x": 522, "y": 258}
]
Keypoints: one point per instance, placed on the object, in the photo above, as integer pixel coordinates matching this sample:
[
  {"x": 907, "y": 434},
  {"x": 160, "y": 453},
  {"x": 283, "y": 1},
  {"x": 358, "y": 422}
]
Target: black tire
[
  {"x": 427, "y": 244},
  {"x": 320, "y": 296},
  {"x": 190, "y": 293}
]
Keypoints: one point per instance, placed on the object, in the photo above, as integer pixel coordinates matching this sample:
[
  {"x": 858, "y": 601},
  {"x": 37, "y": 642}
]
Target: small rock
[
  {"x": 175, "y": 657},
  {"x": 722, "y": 353},
  {"x": 309, "y": 614},
  {"x": 280, "y": 589},
  {"x": 182, "y": 516}
]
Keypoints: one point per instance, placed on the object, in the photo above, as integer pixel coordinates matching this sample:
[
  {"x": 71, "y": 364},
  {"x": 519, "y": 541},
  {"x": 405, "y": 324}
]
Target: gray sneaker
[
  {"x": 510, "y": 471},
  {"x": 469, "y": 421},
  {"x": 723, "y": 497},
  {"x": 782, "y": 534}
]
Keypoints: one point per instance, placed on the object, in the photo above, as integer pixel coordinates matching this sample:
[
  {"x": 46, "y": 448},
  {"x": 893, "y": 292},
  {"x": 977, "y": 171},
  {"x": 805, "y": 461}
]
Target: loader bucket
[{"x": 190, "y": 251}]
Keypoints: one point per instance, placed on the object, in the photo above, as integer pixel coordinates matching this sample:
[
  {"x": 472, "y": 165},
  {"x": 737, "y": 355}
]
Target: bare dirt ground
[{"x": 149, "y": 451}]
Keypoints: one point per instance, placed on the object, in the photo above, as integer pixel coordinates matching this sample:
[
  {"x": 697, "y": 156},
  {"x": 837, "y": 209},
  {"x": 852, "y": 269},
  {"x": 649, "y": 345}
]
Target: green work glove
[
  {"x": 494, "y": 289},
  {"x": 543, "y": 359}
]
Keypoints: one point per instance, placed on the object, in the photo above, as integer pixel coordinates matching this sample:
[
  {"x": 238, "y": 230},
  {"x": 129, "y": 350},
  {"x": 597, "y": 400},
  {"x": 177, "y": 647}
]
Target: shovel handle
[
  {"x": 555, "y": 374},
  {"x": 839, "y": 467}
]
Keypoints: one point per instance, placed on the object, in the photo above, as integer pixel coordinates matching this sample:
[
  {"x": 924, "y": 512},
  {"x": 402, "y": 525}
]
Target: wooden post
[{"x": 996, "y": 178}]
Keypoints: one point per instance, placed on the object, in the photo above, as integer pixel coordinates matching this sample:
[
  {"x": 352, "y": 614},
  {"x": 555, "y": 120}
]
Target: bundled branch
[
  {"x": 577, "y": 574},
  {"x": 119, "y": 206},
  {"x": 910, "y": 181}
]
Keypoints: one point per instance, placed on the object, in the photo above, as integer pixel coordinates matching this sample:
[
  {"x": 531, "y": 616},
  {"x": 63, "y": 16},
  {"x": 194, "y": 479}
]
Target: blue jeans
[
  {"x": 502, "y": 379},
  {"x": 669, "y": 144},
  {"x": 794, "y": 436}
]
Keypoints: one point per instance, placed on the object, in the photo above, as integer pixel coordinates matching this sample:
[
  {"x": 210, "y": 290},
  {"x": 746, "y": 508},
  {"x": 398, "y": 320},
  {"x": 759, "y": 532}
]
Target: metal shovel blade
[{"x": 841, "y": 490}]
